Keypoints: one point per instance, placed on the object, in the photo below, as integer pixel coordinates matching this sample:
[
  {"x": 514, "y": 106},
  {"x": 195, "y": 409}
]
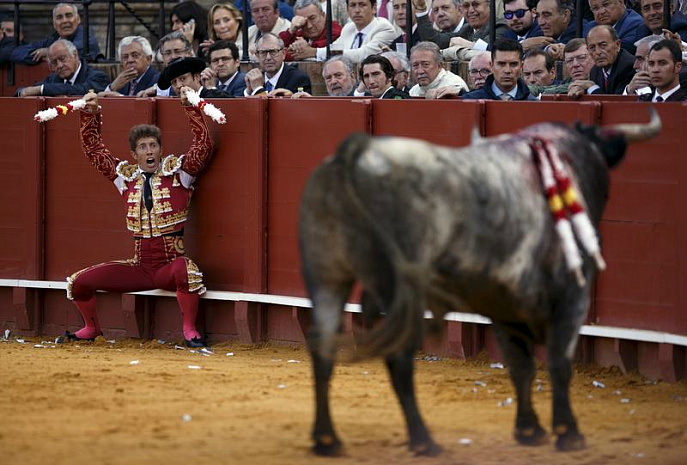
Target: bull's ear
[
  {"x": 475, "y": 136},
  {"x": 611, "y": 143}
]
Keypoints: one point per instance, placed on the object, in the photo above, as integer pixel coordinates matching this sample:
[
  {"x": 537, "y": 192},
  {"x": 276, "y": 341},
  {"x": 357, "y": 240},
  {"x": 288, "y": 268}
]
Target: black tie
[
  {"x": 147, "y": 191},
  {"x": 359, "y": 37},
  {"x": 659, "y": 99}
]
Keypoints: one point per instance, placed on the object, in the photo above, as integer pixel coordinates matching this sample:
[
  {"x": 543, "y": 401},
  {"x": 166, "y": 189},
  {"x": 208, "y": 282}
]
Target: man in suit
[
  {"x": 377, "y": 73},
  {"x": 448, "y": 15},
  {"x": 399, "y": 14},
  {"x": 504, "y": 83},
  {"x": 665, "y": 64},
  {"x": 626, "y": 22},
  {"x": 474, "y": 35},
  {"x": 538, "y": 69},
  {"x": 364, "y": 35},
  {"x": 135, "y": 55},
  {"x": 223, "y": 72},
  {"x": 652, "y": 13},
  {"x": 613, "y": 66},
  {"x": 307, "y": 31},
  {"x": 185, "y": 72},
  {"x": 70, "y": 76},
  {"x": 273, "y": 76},
  {"x": 557, "y": 21},
  {"x": 67, "y": 24}
]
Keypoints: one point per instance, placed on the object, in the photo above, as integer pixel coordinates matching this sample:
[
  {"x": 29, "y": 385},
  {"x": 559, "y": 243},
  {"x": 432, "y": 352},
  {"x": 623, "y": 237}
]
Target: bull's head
[{"x": 613, "y": 140}]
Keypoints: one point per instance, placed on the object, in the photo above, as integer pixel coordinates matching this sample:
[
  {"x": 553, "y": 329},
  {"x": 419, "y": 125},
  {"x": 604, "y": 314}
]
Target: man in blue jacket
[
  {"x": 70, "y": 76},
  {"x": 626, "y": 22},
  {"x": 504, "y": 83},
  {"x": 67, "y": 24}
]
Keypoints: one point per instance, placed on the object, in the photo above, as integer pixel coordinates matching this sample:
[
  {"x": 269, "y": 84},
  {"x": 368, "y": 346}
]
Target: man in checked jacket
[{"x": 157, "y": 191}]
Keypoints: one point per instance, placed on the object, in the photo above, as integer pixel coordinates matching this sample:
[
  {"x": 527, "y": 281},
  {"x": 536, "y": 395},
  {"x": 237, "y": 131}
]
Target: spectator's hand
[
  {"x": 536, "y": 42},
  {"x": 123, "y": 78},
  {"x": 297, "y": 22},
  {"x": 189, "y": 29},
  {"x": 300, "y": 49},
  {"x": 301, "y": 94},
  {"x": 460, "y": 42},
  {"x": 578, "y": 88},
  {"x": 673, "y": 36},
  {"x": 205, "y": 46},
  {"x": 420, "y": 5},
  {"x": 431, "y": 94},
  {"x": 254, "y": 80},
  {"x": 208, "y": 78},
  {"x": 40, "y": 54},
  {"x": 447, "y": 92},
  {"x": 361, "y": 88},
  {"x": 109, "y": 93},
  {"x": 281, "y": 92},
  {"x": 149, "y": 92},
  {"x": 182, "y": 94},
  {"x": 639, "y": 80},
  {"x": 30, "y": 91},
  {"x": 91, "y": 102},
  {"x": 555, "y": 51}
]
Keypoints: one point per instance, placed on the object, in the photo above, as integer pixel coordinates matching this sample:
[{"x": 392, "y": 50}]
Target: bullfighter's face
[{"x": 148, "y": 154}]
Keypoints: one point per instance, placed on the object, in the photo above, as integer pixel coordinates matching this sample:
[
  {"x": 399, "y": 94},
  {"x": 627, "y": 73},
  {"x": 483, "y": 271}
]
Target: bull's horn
[{"x": 640, "y": 132}]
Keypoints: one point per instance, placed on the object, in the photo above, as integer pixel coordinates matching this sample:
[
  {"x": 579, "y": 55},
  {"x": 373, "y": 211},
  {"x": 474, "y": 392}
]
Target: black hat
[{"x": 178, "y": 67}]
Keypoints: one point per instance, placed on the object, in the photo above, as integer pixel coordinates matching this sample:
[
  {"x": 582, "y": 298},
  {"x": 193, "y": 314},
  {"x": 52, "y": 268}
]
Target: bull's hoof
[
  {"x": 426, "y": 449},
  {"x": 327, "y": 446},
  {"x": 570, "y": 441},
  {"x": 535, "y": 436}
]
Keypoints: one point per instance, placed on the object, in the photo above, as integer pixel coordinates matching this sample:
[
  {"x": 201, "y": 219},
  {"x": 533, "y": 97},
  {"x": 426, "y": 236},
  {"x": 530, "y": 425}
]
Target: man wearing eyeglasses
[
  {"x": 479, "y": 69},
  {"x": 401, "y": 70},
  {"x": 578, "y": 63},
  {"x": 473, "y": 36},
  {"x": 523, "y": 26},
  {"x": 223, "y": 72},
  {"x": 135, "y": 56},
  {"x": 626, "y": 22},
  {"x": 70, "y": 75},
  {"x": 273, "y": 76},
  {"x": 171, "y": 47}
]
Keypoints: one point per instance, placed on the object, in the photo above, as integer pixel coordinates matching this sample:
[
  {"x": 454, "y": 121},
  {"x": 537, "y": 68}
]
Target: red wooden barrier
[
  {"x": 23, "y": 76},
  {"x": 444, "y": 122},
  {"x": 501, "y": 119}
]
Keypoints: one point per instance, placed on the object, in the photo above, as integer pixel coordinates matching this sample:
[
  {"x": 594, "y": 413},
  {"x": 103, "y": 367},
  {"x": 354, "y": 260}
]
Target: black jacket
[
  {"x": 620, "y": 76},
  {"x": 87, "y": 79}
]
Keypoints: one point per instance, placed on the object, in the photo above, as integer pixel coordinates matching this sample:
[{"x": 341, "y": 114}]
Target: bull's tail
[{"x": 401, "y": 328}]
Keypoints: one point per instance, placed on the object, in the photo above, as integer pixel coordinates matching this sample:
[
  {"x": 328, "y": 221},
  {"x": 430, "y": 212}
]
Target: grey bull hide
[{"x": 421, "y": 226}]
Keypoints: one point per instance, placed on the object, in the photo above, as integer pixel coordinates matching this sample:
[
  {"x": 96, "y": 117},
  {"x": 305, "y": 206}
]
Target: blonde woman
[{"x": 224, "y": 23}]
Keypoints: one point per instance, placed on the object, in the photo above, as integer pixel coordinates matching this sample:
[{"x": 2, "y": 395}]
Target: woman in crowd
[
  {"x": 191, "y": 19},
  {"x": 224, "y": 21}
]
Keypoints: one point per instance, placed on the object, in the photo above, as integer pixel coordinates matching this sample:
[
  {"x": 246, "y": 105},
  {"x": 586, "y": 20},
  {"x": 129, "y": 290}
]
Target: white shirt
[{"x": 667, "y": 94}]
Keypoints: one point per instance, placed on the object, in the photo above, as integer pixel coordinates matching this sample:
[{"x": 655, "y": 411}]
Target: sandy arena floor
[{"x": 132, "y": 403}]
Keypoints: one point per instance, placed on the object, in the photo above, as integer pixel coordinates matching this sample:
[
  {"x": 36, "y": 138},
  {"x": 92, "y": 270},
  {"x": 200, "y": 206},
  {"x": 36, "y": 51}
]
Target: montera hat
[{"x": 179, "y": 67}]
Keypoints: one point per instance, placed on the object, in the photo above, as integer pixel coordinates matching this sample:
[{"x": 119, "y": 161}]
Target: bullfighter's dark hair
[
  {"x": 143, "y": 130},
  {"x": 383, "y": 62}
]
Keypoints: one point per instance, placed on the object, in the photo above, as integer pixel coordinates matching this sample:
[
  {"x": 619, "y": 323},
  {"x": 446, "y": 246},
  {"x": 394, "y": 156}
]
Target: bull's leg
[
  {"x": 561, "y": 346},
  {"x": 401, "y": 372},
  {"x": 326, "y": 323},
  {"x": 519, "y": 355}
]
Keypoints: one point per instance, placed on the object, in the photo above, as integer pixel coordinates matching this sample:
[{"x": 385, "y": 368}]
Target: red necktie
[{"x": 382, "y": 12}]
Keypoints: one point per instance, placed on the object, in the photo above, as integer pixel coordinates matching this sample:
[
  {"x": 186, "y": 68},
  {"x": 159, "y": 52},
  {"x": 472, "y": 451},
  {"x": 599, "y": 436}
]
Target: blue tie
[{"x": 269, "y": 86}]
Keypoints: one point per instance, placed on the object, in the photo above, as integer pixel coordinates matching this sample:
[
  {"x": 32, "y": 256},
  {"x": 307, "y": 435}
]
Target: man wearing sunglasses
[
  {"x": 273, "y": 76},
  {"x": 523, "y": 26}
]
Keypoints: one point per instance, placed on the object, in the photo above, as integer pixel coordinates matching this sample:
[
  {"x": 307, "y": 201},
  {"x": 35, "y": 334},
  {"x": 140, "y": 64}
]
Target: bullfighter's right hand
[{"x": 91, "y": 99}]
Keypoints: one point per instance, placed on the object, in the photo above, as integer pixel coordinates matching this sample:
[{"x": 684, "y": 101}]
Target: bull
[{"x": 421, "y": 226}]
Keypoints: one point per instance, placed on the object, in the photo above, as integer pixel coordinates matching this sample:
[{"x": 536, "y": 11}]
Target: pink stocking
[
  {"x": 87, "y": 308},
  {"x": 189, "y": 310}
]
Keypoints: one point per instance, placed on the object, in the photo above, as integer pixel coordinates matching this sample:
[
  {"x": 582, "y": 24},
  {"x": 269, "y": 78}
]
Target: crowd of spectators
[{"x": 622, "y": 51}]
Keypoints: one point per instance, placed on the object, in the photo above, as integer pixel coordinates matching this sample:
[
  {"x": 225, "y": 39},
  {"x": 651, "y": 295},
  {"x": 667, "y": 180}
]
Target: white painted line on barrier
[{"x": 640, "y": 335}]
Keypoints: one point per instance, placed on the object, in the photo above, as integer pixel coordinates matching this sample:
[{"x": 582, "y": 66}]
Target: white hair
[{"x": 145, "y": 45}]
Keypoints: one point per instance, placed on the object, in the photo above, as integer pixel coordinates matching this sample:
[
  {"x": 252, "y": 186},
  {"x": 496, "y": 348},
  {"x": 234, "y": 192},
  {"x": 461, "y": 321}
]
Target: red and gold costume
[{"x": 159, "y": 261}]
